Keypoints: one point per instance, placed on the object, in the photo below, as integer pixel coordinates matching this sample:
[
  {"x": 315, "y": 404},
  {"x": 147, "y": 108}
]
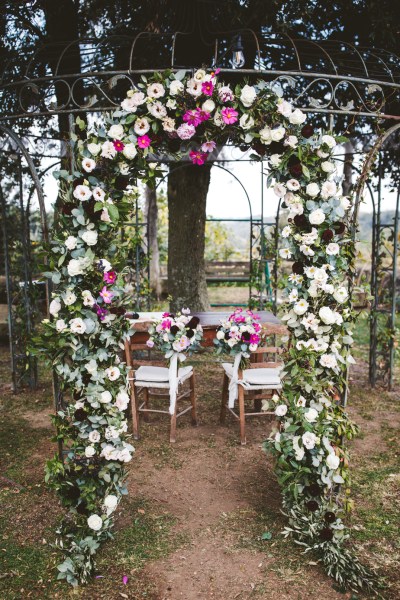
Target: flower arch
[{"x": 187, "y": 116}]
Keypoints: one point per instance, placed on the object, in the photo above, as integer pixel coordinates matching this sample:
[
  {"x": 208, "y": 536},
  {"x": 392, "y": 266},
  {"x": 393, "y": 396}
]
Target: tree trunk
[
  {"x": 152, "y": 230},
  {"x": 347, "y": 169},
  {"x": 187, "y": 196}
]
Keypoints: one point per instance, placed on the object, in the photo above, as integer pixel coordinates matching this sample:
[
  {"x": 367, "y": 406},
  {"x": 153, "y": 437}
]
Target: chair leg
[
  {"x": 224, "y": 399},
  {"x": 135, "y": 413},
  {"x": 242, "y": 418},
  {"x": 146, "y": 404},
  {"x": 172, "y": 434},
  {"x": 193, "y": 399}
]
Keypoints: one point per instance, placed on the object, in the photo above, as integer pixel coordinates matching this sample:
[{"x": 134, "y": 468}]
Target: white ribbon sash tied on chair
[
  {"x": 233, "y": 384},
  {"x": 173, "y": 379}
]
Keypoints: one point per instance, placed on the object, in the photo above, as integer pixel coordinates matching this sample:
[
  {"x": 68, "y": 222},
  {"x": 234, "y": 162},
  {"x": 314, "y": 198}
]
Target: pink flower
[
  {"x": 197, "y": 157},
  {"x": 150, "y": 344},
  {"x": 107, "y": 295},
  {"x": 118, "y": 145},
  {"x": 143, "y": 141},
  {"x": 165, "y": 314},
  {"x": 166, "y": 324},
  {"x": 225, "y": 94},
  {"x": 208, "y": 146},
  {"x": 202, "y": 115},
  {"x": 207, "y": 87},
  {"x": 192, "y": 117},
  {"x": 186, "y": 131},
  {"x": 229, "y": 115},
  {"x": 110, "y": 277},
  {"x": 254, "y": 338}
]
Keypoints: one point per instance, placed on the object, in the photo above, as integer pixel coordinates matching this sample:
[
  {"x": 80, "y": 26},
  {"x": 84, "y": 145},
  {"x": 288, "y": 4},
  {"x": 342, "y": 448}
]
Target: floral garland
[
  {"x": 181, "y": 333},
  {"x": 190, "y": 116}
]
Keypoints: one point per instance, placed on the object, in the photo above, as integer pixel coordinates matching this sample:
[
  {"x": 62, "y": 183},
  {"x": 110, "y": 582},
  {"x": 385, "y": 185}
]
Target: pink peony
[
  {"x": 118, "y": 145},
  {"x": 229, "y": 115},
  {"x": 107, "y": 295},
  {"x": 186, "y": 131},
  {"x": 143, "y": 141},
  {"x": 192, "y": 117},
  {"x": 197, "y": 157},
  {"x": 207, "y": 87},
  {"x": 202, "y": 115}
]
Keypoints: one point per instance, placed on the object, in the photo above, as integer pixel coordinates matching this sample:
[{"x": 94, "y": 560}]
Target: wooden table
[{"x": 210, "y": 321}]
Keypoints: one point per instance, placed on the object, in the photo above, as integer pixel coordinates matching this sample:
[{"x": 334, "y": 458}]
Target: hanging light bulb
[{"x": 238, "y": 59}]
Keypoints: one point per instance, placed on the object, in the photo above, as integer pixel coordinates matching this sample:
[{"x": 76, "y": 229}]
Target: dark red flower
[
  {"x": 121, "y": 182},
  {"x": 296, "y": 169},
  {"x": 307, "y": 131},
  {"x": 120, "y": 310},
  {"x": 301, "y": 221},
  {"x": 174, "y": 329},
  {"x": 67, "y": 208},
  {"x": 260, "y": 148},
  {"x": 276, "y": 148},
  {"x": 339, "y": 228},
  {"x": 326, "y": 534},
  {"x": 330, "y": 517},
  {"x": 298, "y": 268},
  {"x": 314, "y": 489},
  {"x": 312, "y": 505},
  {"x": 194, "y": 321},
  {"x": 80, "y": 414},
  {"x": 327, "y": 235}
]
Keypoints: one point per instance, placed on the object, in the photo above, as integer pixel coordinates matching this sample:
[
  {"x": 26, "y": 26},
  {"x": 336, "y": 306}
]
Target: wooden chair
[
  {"x": 151, "y": 379},
  {"x": 261, "y": 380}
]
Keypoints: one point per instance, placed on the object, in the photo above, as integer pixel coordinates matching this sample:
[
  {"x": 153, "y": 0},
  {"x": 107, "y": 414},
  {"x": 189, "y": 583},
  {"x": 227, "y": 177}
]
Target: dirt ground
[{"x": 192, "y": 527}]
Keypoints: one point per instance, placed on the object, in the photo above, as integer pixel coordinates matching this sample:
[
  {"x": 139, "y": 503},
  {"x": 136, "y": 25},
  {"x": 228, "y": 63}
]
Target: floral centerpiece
[
  {"x": 238, "y": 336},
  {"x": 176, "y": 336}
]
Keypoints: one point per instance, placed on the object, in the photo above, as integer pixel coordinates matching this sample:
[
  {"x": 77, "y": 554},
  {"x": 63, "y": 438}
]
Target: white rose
[
  {"x": 332, "y": 249},
  {"x": 277, "y": 133},
  {"x": 300, "y": 307},
  {"x": 265, "y": 136},
  {"x": 246, "y": 122},
  {"x": 208, "y": 105},
  {"x": 108, "y": 150},
  {"x": 89, "y": 451},
  {"x": 309, "y": 440},
  {"x": 94, "y": 436},
  {"x": 200, "y": 75},
  {"x": 341, "y": 294},
  {"x": 61, "y": 325},
  {"x": 329, "y": 141},
  {"x": 94, "y": 149},
  {"x": 220, "y": 335},
  {"x": 75, "y": 267},
  {"x": 311, "y": 415},
  {"x": 129, "y": 151},
  {"x": 110, "y": 503},
  {"x": 297, "y": 117},
  {"x": 248, "y": 95},
  {"x": 328, "y": 167},
  {"x": 292, "y": 141},
  {"x": 138, "y": 98},
  {"x": 312, "y": 190},
  {"x": 105, "y": 397},
  {"x": 328, "y": 361},
  {"x": 128, "y": 105},
  {"x": 317, "y": 217},
  {"x": 71, "y": 242},
  {"x": 279, "y": 190},
  {"x": 332, "y": 461},
  {"x": 328, "y": 189},
  {"x": 95, "y": 522},
  {"x": 88, "y": 164},
  {"x": 326, "y": 315},
  {"x": 275, "y": 160},
  {"x": 112, "y": 373},
  {"x": 77, "y": 325},
  {"x": 176, "y": 87},
  {"x": 281, "y": 410},
  {"x": 293, "y": 185},
  {"x": 122, "y": 400},
  {"x": 55, "y": 307},
  {"x": 344, "y": 202},
  {"x": 69, "y": 298},
  {"x": 284, "y": 108},
  {"x": 90, "y": 237},
  {"x": 320, "y": 276},
  {"x": 115, "y": 132}
]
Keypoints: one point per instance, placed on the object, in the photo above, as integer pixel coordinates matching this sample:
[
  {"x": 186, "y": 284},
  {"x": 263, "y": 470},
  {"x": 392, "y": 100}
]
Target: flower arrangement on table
[
  {"x": 238, "y": 336},
  {"x": 176, "y": 336}
]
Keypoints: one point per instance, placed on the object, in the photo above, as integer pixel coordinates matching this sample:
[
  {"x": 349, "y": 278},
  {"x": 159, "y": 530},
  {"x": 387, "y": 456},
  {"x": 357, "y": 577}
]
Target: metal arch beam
[{"x": 7, "y": 131}]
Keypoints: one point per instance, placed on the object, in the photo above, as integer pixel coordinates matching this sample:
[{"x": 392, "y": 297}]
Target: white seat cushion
[
  {"x": 263, "y": 376},
  {"x": 159, "y": 374}
]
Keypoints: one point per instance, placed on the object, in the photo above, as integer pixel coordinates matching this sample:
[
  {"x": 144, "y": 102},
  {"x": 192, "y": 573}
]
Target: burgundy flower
[
  {"x": 194, "y": 321},
  {"x": 276, "y": 148},
  {"x": 189, "y": 333},
  {"x": 307, "y": 131},
  {"x": 89, "y": 208},
  {"x": 78, "y": 181},
  {"x": 339, "y": 228},
  {"x": 246, "y": 336},
  {"x": 327, "y": 235},
  {"x": 72, "y": 492},
  {"x": 326, "y": 534},
  {"x": 121, "y": 182},
  {"x": 67, "y": 208},
  {"x": 82, "y": 509},
  {"x": 86, "y": 378},
  {"x": 330, "y": 517},
  {"x": 298, "y": 268},
  {"x": 80, "y": 414},
  {"x": 314, "y": 489},
  {"x": 312, "y": 505},
  {"x": 260, "y": 148},
  {"x": 119, "y": 311},
  {"x": 301, "y": 221},
  {"x": 174, "y": 329},
  {"x": 296, "y": 170}
]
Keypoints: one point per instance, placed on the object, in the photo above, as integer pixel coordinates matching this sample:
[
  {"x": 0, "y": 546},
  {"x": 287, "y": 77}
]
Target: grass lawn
[{"x": 193, "y": 524}]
